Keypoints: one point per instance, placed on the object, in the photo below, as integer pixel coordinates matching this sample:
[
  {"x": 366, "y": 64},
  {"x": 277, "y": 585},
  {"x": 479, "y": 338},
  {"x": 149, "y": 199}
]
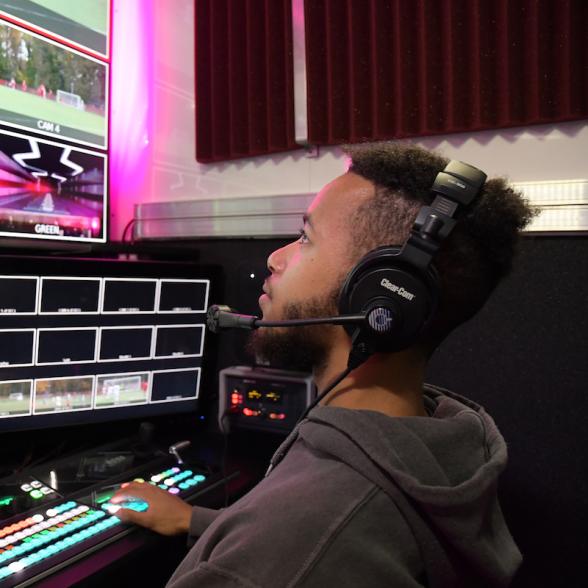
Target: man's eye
[{"x": 302, "y": 236}]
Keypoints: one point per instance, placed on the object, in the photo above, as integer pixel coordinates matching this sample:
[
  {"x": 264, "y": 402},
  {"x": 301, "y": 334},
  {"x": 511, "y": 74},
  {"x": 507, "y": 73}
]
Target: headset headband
[{"x": 455, "y": 188}]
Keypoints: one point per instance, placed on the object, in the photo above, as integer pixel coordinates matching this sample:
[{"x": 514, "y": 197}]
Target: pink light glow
[{"x": 131, "y": 120}]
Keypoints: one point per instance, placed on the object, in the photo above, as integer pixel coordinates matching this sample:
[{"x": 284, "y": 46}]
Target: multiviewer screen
[{"x": 86, "y": 340}]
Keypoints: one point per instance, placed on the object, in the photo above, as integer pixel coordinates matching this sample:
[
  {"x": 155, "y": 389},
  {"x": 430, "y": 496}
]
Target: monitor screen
[
  {"x": 169, "y": 385},
  {"x": 183, "y": 295},
  {"x": 16, "y": 398},
  {"x": 124, "y": 389},
  {"x": 129, "y": 295},
  {"x": 83, "y": 23},
  {"x": 179, "y": 340},
  {"x": 125, "y": 343},
  {"x": 51, "y": 89},
  {"x": 75, "y": 357},
  {"x": 49, "y": 190},
  {"x": 16, "y": 347},
  {"x": 69, "y": 295},
  {"x": 18, "y": 295},
  {"x": 65, "y": 394},
  {"x": 66, "y": 345}
]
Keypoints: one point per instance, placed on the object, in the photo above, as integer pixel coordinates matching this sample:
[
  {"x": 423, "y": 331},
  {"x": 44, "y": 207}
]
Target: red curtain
[
  {"x": 382, "y": 69},
  {"x": 244, "y": 78}
]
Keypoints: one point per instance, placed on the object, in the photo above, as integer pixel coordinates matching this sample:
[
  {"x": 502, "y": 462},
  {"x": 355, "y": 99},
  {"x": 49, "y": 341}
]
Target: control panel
[
  {"x": 40, "y": 533},
  {"x": 262, "y": 398}
]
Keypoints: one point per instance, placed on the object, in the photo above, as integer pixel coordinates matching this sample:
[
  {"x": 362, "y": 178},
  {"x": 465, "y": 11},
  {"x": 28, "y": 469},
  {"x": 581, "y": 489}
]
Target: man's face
[{"x": 306, "y": 276}]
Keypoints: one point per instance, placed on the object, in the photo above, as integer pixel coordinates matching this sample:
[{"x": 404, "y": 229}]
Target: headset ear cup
[{"x": 398, "y": 300}]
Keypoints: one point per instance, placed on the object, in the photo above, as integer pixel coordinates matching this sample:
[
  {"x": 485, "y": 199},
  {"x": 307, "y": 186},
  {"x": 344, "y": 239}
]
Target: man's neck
[{"x": 388, "y": 383}]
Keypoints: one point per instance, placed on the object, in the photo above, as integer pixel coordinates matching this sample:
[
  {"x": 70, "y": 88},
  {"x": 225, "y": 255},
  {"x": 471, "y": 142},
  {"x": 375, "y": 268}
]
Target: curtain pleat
[
  {"x": 244, "y": 78},
  {"x": 383, "y": 69}
]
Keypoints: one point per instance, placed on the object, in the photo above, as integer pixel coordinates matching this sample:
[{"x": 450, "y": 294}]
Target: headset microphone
[{"x": 221, "y": 317}]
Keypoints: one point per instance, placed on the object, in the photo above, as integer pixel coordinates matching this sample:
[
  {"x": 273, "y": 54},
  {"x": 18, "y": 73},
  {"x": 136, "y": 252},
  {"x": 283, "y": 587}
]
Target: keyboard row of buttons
[{"x": 61, "y": 544}]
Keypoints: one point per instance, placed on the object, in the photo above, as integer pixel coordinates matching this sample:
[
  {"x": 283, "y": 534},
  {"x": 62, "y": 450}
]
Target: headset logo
[{"x": 397, "y": 289}]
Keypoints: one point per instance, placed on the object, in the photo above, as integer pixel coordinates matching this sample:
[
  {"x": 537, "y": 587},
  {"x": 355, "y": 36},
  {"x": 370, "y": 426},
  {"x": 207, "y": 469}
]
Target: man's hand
[{"x": 167, "y": 514}]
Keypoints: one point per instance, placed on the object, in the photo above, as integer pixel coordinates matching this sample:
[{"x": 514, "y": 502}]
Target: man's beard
[{"x": 304, "y": 349}]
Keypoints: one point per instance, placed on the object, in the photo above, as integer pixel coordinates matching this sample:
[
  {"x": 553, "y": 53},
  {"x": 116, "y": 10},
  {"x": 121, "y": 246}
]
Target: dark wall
[{"x": 524, "y": 357}]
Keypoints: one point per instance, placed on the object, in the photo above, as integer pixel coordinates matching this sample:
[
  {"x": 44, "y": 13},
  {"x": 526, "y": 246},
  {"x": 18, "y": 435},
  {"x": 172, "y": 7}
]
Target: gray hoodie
[{"x": 357, "y": 498}]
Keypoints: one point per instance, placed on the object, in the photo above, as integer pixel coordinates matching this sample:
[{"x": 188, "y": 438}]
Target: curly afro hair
[{"x": 478, "y": 253}]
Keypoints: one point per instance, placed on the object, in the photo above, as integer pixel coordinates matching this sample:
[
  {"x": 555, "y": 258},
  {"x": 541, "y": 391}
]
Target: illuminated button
[
  {"x": 26, "y": 487},
  {"x": 277, "y": 416},
  {"x": 36, "y": 484},
  {"x": 37, "y": 518},
  {"x": 36, "y": 494},
  {"x": 46, "y": 490},
  {"x": 140, "y": 480},
  {"x": 156, "y": 479},
  {"x": 199, "y": 478},
  {"x": 169, "y": 482},
  {"x": 16, "y": 566},
  {"x": 248, "y": 412},
  {"x": 184, "y": 486},
  {"x": 175, "y": 470},
  {"x": 174, "y": 490}
]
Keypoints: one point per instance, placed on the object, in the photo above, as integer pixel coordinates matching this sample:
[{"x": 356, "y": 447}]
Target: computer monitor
[
  {"x": 86, "y": 340},
  {"x": 53, "y": 126}
]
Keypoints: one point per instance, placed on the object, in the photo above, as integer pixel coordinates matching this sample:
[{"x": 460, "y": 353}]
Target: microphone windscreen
[{"x": 213, "y": 316}]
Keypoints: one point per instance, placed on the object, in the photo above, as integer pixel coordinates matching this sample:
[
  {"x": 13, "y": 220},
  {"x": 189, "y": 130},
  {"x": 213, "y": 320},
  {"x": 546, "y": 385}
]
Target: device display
[
  {"x": 51, "y": 89},
  {"x": 180, "y": 384},
  {"x": 85, "y": 24},
  {"x": 18, "y": 295},
  {"x": 125, "y": 343},
  {"x": 129, "y": 295},
  {"x": 49, "y": 190},
  {"x": 68, "y": 295},
  {"x": 179, "y": 340},
  {"x": 84, "y": 359},
  {"x": 63, "y": 394},
  {"x": 66, "y": 345},
  {"x": 15, "y": 398},
  {"x": 16, "y": 347},
  {"x": 183, "y": 296},
  {"x": 122, "y": 389}
]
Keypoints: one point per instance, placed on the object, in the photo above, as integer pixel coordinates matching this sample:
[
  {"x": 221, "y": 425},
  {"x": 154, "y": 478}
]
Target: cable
[
  {"x": 359, "y": 353},
  {"x": 127, "y": 227}
]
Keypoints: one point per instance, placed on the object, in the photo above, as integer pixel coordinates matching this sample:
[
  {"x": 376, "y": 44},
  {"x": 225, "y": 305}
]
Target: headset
[
  {"x": 397, "y": 289},
  {"x": 391, "y": 294}
]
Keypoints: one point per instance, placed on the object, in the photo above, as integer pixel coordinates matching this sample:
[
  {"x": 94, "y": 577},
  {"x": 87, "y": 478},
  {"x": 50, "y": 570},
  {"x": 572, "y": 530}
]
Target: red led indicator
[{"x": 249, "y": 412}]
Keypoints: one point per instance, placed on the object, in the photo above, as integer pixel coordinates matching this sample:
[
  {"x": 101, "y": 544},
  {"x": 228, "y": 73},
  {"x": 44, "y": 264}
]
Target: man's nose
[{"x": 276, "y": 262}]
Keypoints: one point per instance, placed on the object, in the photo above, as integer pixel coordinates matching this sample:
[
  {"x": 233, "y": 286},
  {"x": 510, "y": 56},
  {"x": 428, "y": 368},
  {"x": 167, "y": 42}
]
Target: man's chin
[{"x": 293, "y": 348}]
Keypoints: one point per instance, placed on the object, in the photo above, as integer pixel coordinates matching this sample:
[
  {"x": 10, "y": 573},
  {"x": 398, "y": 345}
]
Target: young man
[{"x": 389, "y": 481}]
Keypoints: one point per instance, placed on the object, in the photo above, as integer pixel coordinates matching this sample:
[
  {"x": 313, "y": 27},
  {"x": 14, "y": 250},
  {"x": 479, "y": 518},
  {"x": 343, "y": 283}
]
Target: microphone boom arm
[{"x": 335, "y": 320}]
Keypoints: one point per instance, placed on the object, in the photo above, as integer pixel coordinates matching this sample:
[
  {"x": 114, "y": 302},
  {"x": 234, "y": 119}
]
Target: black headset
[{"x": 398, "y": 288}]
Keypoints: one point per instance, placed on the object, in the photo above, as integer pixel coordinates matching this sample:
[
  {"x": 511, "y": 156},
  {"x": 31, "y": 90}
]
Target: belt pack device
[{"x": 262, "y": 399}]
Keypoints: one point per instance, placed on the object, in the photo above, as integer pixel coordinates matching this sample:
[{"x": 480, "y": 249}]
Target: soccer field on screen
[{"x": 23, "y": 105}]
